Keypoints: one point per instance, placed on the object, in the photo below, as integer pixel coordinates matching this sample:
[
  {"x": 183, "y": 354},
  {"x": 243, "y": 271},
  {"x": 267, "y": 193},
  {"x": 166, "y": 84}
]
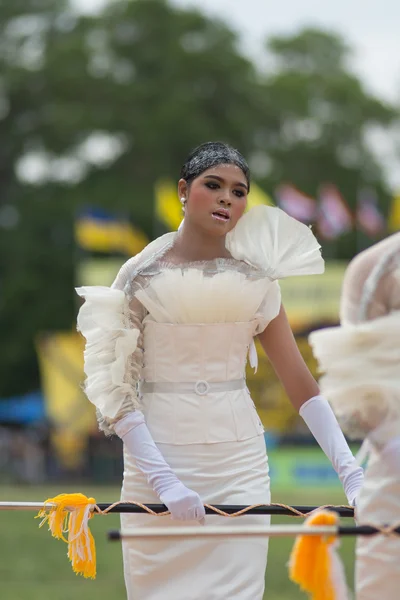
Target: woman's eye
[
  {"x": 211, "y": 185},
  {"x": 239, "y": 193}
]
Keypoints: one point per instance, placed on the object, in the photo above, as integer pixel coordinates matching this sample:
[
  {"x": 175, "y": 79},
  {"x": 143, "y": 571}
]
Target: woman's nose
[{"x": 225, "y": 201}]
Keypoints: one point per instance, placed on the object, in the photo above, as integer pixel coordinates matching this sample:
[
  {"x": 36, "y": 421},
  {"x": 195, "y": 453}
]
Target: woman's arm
[{"x": 280, "y": 346}]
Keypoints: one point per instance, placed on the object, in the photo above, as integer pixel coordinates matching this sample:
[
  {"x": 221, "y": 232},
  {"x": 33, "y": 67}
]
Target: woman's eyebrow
[{"x": 222, "y": 180}]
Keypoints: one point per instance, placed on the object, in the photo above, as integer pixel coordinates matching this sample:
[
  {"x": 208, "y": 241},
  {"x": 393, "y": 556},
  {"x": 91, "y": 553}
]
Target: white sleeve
[{"x": 112, "y": 327}]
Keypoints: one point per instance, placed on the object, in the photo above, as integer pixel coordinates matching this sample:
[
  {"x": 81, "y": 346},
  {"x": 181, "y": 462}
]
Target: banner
[
  {"x": 273, "y": 406},
  {"x": 97, "y": 271},
  {"x": 295, "y": 203},
  {"x": 71, "y": 415},
  {"x": 257, "y": 197},
  {"x": 298, "y": 466},
  {"x": 167, "y": 205},
  {"x": 97, "y": 230},
  {"x": 335, "y": 218},
  {"x": 314, "y": 299},
  {"x": 394, "y": 215},
  {"x": 369, "y": 218}
]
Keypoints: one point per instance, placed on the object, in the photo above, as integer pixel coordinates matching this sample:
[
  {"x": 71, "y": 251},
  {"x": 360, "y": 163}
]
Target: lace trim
[
  {"x": 219, "y": 261},
  {"x": 209, "y": 267}
]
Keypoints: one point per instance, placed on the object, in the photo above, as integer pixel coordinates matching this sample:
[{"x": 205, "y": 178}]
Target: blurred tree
[
  {"x": 93, "y": 109},
  {"x": 319, "y": 118}
]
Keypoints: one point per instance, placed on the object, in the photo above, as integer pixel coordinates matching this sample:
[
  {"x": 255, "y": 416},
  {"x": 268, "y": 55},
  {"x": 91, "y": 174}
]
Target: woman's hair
[{"x": 209, "y": 155}]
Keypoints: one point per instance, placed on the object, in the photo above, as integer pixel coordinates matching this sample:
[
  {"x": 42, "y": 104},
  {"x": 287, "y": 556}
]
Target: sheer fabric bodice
[{"x": 197, "y": 323}]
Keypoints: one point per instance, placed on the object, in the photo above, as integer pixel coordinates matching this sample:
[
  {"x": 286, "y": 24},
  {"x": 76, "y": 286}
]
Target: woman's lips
[{"x": 221, "y": 215}]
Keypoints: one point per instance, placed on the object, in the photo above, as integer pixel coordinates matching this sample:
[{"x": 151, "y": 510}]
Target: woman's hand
[{"x": 184, "y": 504}]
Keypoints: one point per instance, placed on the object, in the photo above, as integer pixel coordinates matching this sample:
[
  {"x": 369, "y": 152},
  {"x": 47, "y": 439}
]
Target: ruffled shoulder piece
[
  {"x": 110, "y": 341},
  {"x": 269, "y": 239},
  {"x": 360, "y": 366}
]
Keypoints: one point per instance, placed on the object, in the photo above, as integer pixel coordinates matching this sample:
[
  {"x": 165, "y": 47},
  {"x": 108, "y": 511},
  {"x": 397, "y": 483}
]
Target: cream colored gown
[
  {"x": 183, "y": 334},
  {"x": 361, "y": 362}
]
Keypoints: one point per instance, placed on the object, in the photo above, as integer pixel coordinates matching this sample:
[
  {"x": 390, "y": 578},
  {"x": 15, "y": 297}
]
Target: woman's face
[{"x": 216, "y": 199}]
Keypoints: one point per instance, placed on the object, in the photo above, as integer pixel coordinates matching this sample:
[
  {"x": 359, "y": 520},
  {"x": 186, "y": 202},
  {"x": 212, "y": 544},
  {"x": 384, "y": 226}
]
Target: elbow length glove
[
  {"x": 184, "y": 504},
  {"x": 325, "y": 428}
]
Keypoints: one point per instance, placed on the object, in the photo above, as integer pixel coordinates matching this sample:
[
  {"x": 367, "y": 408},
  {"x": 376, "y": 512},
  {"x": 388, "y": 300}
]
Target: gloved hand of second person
[{"x": 184, "y": 504}]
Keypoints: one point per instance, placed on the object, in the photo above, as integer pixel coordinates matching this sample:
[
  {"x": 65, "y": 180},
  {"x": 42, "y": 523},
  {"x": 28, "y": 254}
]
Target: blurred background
[{"x": 100, "y": 102}]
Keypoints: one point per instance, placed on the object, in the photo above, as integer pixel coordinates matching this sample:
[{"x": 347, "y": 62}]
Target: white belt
[{"x": 200, "y": 387}]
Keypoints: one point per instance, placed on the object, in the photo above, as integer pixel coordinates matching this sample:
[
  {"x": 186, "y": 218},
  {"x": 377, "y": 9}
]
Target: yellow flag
[
  {"x": 257, "y": 197},
  {"x": 394, "y": 214},
  {"x": 73, "y": 417},
  {"x": 109, "y": 235},
  {"x": 168, "y": 207}
]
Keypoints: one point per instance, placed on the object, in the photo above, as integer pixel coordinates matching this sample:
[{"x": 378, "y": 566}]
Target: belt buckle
[{"x": 201, "y": 387}]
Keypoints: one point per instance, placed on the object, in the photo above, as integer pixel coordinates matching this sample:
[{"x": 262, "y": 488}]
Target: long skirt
[
  {"x": 378, "y": 557},
  {"x": 175, "y": 569}
]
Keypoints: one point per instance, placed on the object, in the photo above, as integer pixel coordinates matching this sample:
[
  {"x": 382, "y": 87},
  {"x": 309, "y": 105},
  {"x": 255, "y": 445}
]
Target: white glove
[
  {"x": 323, "y": 424},
  {"x": 183, "y": 504}
]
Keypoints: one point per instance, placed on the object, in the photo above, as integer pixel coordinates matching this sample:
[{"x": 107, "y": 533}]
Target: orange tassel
[
  {"x": 69, "y": 514},
  {"x": 314, "y": 564}
]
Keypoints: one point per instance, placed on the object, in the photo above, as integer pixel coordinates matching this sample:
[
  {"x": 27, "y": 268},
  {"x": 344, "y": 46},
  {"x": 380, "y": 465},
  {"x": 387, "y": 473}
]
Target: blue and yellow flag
[{"x": 96, "y": 230}]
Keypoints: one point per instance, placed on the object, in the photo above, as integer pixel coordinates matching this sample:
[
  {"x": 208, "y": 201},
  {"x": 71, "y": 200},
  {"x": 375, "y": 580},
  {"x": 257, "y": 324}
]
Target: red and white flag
[
  {"x": 334, "y": 217},
  {"x": 369, "y": 218},
  {"x": 296, "y": 203}
]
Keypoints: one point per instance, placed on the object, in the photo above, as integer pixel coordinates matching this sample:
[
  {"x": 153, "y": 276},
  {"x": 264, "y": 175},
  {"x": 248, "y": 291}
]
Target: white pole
[
  {"x": 22, "y": 505},
  {"x": 221, "y": 532}
]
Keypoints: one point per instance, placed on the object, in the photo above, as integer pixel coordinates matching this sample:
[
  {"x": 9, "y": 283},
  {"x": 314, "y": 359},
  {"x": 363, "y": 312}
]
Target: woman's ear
[{"x": 183, "y": 190}]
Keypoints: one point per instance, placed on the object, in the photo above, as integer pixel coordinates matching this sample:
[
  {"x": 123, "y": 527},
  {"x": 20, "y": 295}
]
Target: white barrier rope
[{"x": 222, "y": 532}]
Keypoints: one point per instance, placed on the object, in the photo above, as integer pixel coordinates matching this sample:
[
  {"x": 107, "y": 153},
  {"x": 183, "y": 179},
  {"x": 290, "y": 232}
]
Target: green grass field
[{"x": 34, "y": 566}]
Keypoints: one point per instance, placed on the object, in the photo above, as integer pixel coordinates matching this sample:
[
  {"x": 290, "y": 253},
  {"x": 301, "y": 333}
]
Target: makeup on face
[{"x": 221, "y": 193}]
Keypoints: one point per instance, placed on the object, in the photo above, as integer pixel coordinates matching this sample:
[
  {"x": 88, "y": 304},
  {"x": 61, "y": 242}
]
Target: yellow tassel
[
  {"x": 69, "y": 514},
  {"x": 314, "y": 564}
]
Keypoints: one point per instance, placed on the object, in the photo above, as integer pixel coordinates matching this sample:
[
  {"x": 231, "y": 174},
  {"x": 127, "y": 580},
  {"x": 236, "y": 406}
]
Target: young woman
[
  {"x": 361, "y": 360},
  {"x": 165, "y": 362}
]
